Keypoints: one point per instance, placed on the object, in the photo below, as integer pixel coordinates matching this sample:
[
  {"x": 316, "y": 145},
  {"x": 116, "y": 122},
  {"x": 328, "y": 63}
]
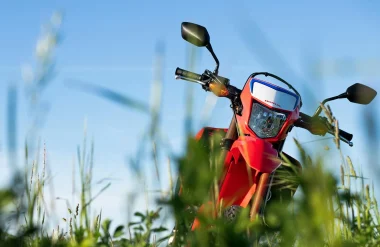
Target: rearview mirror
[
  {"x": 360, "y": 94},
  {"x": 195, "y": 34},
  {"x": 198, "y": 35},
  {"x": 357, "y": 93}
]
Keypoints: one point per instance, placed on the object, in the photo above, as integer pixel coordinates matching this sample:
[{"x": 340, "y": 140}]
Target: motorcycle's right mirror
[
  {"x": 360, "y": 94},
  {"x": 357, "y": 93}
]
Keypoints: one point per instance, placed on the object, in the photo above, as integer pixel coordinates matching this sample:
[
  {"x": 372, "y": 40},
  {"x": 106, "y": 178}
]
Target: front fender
[{"x": 257, "y": 153}]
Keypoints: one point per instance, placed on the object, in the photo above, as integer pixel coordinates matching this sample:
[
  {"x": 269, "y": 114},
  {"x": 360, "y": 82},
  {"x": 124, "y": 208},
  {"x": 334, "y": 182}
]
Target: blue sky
[{"x": 113, "y": 44}]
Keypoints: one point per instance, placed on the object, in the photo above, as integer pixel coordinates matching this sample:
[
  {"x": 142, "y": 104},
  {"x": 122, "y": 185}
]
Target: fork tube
[
  {"x": 259, "y": 195},
  {"x": 230, "y": 135},
  {"x": 226, "y": 144}
]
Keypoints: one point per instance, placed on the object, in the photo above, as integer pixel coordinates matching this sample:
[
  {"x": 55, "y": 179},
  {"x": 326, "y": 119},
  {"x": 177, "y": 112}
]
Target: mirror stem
[
  {"x": 209, "y": 48},
  {"x": 319, "y": 109}
]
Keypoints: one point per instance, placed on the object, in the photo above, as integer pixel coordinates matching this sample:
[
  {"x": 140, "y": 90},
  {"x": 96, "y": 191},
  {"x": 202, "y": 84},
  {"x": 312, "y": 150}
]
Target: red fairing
[
  {"x": 247, "y": 101},
  {"x": 239, "y": 184},
  {"x": 258, "y": 153}
]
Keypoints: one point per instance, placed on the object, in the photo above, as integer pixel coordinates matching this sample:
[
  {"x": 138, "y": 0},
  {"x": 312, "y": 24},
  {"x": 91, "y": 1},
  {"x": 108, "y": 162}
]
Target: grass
[{"x": 329, "y": 211}]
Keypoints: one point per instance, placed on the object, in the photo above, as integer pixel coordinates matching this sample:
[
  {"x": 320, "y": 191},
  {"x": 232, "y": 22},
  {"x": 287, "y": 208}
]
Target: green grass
[{"x": 328, "y": 211}]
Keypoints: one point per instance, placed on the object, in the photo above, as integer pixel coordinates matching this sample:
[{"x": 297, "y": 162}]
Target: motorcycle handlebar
[
  {"x": 218, "y": 85},
  {"x": 187, "y": 74},
  {"x": 320, "y": 126},
  {"x": 345, "y": 135}
]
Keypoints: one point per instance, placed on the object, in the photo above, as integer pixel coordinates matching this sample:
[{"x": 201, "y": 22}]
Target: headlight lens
[{"x": 265, "y": 122}]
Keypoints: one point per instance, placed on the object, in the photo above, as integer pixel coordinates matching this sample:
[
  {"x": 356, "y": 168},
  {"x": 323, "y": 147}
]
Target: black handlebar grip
[
  {"x": 345, "y": 135},
  {"x": 188, "y": 74}
]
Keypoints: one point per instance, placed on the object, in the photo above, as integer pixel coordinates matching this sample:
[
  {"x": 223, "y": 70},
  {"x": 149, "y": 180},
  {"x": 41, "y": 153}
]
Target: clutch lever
[{"x": 178, "y": 77}]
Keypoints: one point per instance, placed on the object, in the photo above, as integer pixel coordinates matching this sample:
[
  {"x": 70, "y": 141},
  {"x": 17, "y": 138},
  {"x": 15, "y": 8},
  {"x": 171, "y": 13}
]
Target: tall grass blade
[{"x": 109, "y": 95}]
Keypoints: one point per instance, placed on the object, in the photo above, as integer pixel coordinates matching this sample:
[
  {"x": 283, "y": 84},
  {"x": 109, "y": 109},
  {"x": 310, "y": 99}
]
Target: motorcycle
[{"x": 263, "y": 115}]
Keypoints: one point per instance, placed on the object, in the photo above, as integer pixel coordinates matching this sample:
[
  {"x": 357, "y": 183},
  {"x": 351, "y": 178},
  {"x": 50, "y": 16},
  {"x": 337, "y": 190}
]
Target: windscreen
[{"x": 272, "y": 95}]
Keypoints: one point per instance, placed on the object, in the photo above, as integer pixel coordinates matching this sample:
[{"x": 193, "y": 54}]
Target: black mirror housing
[
  {"x": 360, "y": 94},
  {"x": 195, "y": 34}
]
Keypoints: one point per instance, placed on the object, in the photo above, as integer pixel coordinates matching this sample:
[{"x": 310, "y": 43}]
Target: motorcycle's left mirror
[{"x": 195, "y": 34}]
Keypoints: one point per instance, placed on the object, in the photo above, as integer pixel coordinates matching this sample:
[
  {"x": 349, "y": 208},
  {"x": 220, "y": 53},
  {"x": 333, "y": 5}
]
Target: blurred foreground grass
[{"x": 329, "y": 211}]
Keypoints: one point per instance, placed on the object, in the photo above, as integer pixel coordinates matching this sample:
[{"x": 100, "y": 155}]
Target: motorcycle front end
[{"x": 251, "y": 150}]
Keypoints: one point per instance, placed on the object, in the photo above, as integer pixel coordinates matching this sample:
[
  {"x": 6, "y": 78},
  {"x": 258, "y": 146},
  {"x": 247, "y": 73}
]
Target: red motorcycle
[{"x": 263, "y": 115}]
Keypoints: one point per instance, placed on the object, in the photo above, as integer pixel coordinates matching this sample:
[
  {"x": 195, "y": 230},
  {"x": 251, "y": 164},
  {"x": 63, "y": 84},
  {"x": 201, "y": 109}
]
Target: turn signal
[{"x": 218, "y": 89}]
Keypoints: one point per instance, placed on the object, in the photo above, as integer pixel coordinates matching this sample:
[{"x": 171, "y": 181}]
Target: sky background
[{"x": 113, "y": 44}]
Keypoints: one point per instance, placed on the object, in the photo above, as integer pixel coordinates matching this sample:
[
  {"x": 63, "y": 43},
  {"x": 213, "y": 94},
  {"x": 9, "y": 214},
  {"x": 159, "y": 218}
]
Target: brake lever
[
  {"x": 350, "y": 143},
  {"x": 346, "y": 141},
  {"x": 319, "y": 126},
  {"x": 331, "y": 130}
]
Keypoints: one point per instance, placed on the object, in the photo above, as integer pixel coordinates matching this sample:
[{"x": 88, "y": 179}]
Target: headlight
[{"x": 265, "y": 122}]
